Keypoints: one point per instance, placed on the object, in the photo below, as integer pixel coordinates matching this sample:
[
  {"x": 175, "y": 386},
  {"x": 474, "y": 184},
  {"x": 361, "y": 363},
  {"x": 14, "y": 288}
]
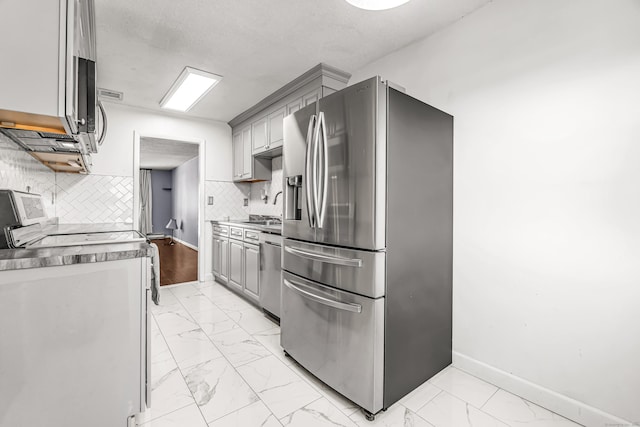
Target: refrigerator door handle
[
  {"x": 322, "y": 125},
  {"x": 308, "y": 171},
  {"x": 316, "y": 167},
  {"x": 354, "y": 308},
  {"x": 316, "y": 256}
]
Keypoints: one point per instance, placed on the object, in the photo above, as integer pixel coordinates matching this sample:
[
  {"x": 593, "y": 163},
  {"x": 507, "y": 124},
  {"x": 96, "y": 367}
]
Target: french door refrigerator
[{"x": 366, "y": 295}]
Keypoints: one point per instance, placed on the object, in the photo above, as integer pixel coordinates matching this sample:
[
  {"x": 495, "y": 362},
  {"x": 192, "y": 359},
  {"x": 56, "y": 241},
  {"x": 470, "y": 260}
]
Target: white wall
[
  {"x": 116, "y": 155},
  {"x": 546, "y": 99},
  {"x": 185, "y": 201}
]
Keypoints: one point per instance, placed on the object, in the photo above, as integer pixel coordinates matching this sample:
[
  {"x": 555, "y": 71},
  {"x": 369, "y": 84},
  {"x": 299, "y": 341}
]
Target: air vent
[{"x": 110, "y": 95}]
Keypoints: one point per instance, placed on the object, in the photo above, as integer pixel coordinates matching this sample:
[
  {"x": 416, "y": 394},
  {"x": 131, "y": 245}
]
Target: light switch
[{"x": 210, "y": 200}]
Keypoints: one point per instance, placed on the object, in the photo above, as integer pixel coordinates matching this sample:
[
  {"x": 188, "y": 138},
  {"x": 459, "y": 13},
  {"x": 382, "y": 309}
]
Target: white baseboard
[
  {"x": 189, "y": 245},
  {"x": 567, "y": 407}
]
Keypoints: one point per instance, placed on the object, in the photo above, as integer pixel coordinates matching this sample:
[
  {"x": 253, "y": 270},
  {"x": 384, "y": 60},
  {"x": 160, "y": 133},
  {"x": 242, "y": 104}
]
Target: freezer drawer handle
[
  {"x": 349, "y": 262},
  {"x": 354, "y": 308}
]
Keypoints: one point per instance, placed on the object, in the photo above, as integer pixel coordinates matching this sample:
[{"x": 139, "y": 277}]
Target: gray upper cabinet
[
  {"x": 294, "y": 106},
  {"x": 260, "y": 130},
  {"x": 245, "y": 166},
  {"x": 275, "y": 127},
  {"x": 264, "y": 120},
  {"x": 238, "y": 165},
  {"x": 311, "y": 97}
]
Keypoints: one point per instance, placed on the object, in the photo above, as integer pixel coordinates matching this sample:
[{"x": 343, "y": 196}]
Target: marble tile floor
[{"x": 217, "y": 362}]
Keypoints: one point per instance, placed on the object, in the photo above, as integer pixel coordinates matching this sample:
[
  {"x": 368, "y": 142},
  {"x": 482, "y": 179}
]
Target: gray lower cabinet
[
  {"x": 236, "y": 279},
  {"x": 251, "y": 255},
  {"x": 224, "y": 260},
  {"x": 221, "y": 258}
]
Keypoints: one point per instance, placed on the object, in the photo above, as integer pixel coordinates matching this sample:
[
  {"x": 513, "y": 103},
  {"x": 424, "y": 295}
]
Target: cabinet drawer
[
  {"x": 236, "y": 233},
  {"x": 222, "y": 230},
  {"x": 251, "y": 236}
]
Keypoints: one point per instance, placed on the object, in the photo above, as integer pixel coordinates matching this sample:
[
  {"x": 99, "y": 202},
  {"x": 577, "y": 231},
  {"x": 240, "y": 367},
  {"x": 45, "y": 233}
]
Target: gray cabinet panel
[
  {"x": 238, "y": 162},
  {"x": 275, "y": 128},
  {"x": 235, "y": 265},
  {"x": 224, "y": 260},
  {"x": 216, "y": 256},
  {"x": 251, "y": 271},
  {"x": 259, "y": 133}
]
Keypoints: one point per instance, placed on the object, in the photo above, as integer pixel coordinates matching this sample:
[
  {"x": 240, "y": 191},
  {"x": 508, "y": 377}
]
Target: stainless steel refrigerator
[{"x": 366, "y": 295}]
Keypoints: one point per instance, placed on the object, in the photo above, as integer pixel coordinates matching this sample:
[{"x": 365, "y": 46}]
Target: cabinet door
[
  {"x": 216, "y": 256},
  {"x": 275, "y": 128},
  {"x": 294, "y": 106},
  {"x": 259, "y": 135},
  {"x": 224, "y": 260},
  {"x": 247, "y": 159},
  {"x": 251, "y": 271},
  {"x": 311, "y": 97},
  {"x": 235, "y": 265},
  {"x": 238, "y": 161}
]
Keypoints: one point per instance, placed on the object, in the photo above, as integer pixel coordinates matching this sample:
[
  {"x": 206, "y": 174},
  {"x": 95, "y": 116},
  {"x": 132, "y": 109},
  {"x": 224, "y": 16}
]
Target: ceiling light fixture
[
  {"x": 190, "y": 87},
  {"x": 377, "y": 4}
]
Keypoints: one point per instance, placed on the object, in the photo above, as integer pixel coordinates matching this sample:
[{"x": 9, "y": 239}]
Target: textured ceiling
[
  {"x": 257, "y": 45},
  {"x": 165, "y": 154}
]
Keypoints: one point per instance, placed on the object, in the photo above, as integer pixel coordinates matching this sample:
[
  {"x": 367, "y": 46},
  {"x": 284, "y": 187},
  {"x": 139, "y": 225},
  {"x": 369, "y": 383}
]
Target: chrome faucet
[{"x": 275, "y": 199}]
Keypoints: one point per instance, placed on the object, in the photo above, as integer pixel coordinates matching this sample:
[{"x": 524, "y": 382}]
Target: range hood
[{"x": 58, "y": 151}]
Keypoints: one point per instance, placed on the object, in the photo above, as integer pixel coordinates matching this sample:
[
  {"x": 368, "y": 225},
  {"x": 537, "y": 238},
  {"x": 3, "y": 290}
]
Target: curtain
[{"x": 146, "y": 227}]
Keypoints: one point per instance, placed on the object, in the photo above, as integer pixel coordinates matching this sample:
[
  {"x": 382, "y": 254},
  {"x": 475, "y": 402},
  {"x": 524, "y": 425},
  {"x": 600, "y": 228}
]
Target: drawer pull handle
[
  {"x": 316, "y": 256},
  {"x": 346, "y": 306}
]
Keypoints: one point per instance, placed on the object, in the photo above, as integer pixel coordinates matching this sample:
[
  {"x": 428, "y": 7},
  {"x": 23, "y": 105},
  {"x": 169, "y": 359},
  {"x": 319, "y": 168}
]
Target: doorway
[{"x": 168, "y": 203}]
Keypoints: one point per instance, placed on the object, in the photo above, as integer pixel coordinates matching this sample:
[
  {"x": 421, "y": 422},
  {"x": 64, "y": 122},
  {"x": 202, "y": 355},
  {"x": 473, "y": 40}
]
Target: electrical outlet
[
  {"x": 246, "y": 202},
  {"x": 210, "y": 200}
]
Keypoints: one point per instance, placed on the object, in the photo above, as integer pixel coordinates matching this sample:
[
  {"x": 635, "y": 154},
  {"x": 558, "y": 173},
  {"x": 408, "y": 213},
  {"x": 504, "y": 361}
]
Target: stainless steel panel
[
  {"x": 270, "y": 273},
  {"x": 418, "y": 313},
  {"x": 296, "y": 129},
  {"x": 353, "y": 216},
  {"x": 342, "y": 347},
  {"x": 358, "y": 271}
]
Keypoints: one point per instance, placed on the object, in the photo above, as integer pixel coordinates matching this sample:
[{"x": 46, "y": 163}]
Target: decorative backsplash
[
  {"x": 19, "y": 171},
  {"x": 228, "y": 200},
  {"x": 94, "y": 198}
]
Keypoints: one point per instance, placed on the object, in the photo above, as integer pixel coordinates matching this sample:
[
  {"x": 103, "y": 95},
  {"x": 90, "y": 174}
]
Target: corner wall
[{"x": 546, "y": 99}]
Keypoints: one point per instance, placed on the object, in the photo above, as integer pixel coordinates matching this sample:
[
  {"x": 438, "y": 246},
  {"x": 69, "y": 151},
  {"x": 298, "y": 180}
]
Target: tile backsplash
[
  {"x": 94, "y": 198},
  {"x": 72, "y": 198},
  {"x": 256, "y": 204},
  {"x": 228, "y": 200},
  {"x": 104, "y": 198}
]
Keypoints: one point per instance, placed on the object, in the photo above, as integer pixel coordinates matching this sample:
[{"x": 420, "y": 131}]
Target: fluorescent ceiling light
[
  {"x": 190, "y": 87},
  {"x": 377, "y": 4}
]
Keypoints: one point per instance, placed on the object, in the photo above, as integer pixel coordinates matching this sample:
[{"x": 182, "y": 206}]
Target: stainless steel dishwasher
[{"x": 270, "y": 273}]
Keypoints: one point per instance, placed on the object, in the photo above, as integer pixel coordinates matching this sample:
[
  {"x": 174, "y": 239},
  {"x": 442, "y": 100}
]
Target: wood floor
[{"x": 178, "y": 263}]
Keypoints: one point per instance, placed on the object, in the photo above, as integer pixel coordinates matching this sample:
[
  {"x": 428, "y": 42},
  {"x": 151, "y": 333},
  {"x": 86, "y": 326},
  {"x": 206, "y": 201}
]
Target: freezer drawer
[
  {"x": 352, "y": 270},
  {"x": 337, "y": 336}
]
